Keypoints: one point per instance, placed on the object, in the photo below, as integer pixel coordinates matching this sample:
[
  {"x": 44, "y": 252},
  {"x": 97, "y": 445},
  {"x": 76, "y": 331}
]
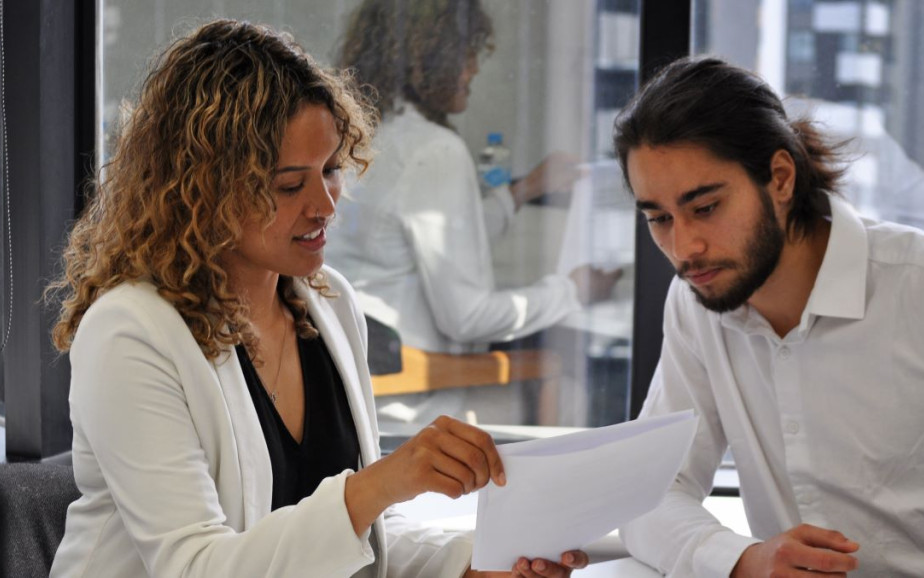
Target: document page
[{"x": 564, "y": 492}]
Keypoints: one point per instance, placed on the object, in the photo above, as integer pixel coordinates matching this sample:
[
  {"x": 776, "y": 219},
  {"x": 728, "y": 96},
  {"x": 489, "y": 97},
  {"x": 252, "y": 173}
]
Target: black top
[{"x": 329, "y": 442}]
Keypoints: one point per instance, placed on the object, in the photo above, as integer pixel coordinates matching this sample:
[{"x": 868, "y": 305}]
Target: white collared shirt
[{"x": 826, "y": 425}]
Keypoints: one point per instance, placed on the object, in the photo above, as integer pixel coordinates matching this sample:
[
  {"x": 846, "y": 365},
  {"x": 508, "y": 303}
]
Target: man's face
[{"x": 719, "y": 230}]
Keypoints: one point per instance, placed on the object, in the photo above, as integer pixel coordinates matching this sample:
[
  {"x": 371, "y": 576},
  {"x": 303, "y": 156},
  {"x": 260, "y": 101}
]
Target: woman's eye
[
  {"x": 332, "y": 171},
  {"x": 291, "y": 189}
]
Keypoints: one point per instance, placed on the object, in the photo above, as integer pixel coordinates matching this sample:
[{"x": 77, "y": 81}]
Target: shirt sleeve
[
  {"x": 680, "y": 537},
  {"x": 128, "y": 404},
  {"x": 415, "y": 551},
  {"x": 499, "y": 210},
  {"x": 443, "y": 217}
]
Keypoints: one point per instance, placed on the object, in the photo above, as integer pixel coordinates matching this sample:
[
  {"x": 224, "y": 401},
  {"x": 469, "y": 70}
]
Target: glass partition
[
  {"x": 854, "y": 65},
  {"x": 558, "y": 72}
]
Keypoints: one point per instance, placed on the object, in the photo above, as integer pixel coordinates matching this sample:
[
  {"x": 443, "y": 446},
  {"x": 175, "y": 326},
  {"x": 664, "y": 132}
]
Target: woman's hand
[
  {"x": 448, "y": 456},
  {"x": 539, "y": 568},
  {"x": 556, "y": 173},
  {"x": 594, "y": 284}
]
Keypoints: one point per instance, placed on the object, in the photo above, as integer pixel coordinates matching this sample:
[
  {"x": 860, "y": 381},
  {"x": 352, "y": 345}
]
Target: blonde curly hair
[{"x": 195, "y": 157}]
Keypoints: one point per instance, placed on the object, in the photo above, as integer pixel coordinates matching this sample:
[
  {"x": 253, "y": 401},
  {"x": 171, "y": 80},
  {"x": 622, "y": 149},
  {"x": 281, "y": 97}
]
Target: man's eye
[
  {"x": 707, "y": 209},
  {"x": 659, "y": 220}
]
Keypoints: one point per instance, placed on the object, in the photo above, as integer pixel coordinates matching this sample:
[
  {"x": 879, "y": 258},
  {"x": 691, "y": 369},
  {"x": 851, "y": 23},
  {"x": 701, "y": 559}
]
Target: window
[
  {"x": 854, "y": 66},
  {"x": 559, "y": 73}
]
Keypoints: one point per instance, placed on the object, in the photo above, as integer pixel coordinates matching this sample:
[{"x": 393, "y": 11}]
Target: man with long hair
[{"x": 793, "y": 328}]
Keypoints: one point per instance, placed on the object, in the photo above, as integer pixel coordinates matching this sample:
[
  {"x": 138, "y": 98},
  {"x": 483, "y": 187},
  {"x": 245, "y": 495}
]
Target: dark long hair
[
  {"x": 414, "y": 50},
  {"x": 736, "y": 116}
]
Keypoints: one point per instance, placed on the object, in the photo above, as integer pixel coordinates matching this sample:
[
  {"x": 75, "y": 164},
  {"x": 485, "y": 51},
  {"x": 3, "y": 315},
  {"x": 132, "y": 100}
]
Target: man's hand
[
  {"x": 802, "y": 551},
  {"x": 539, "y": 568}
]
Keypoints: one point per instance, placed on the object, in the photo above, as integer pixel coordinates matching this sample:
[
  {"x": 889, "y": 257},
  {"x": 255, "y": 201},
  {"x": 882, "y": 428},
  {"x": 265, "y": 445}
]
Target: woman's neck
[{"x": 262, "y": 298}]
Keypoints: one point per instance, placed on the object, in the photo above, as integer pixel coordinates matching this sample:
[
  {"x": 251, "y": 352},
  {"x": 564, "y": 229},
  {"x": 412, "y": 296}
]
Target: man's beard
[{"x": 761, "y": 258}]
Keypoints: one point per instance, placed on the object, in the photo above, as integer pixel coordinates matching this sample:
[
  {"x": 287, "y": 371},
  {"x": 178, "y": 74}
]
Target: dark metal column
[{"x": 665, "y": 36}]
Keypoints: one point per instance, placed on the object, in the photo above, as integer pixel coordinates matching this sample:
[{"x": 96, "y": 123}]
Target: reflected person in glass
[
  {"x": 221, "y": 403},
  {"x": 415, "y": 233}
]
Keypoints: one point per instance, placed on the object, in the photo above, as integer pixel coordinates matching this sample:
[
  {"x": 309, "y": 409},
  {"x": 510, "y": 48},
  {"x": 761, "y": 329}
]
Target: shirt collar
[{"x": 840, "y": 287}]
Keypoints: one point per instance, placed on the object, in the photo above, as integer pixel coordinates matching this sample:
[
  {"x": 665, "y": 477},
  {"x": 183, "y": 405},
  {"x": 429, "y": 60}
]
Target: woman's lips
[{"x": 314, "y": 240}]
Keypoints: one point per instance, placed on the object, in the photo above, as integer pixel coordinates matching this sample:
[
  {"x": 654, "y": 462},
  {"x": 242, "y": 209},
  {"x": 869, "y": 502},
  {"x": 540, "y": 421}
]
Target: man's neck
[{"x": 783, "y": 297}]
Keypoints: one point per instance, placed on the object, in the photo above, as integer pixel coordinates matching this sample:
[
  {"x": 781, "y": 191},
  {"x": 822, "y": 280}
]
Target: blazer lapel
[
  {"x": 256, "y": 469},
  {"x": 344, "y": 344},
  {"x": 344, "y": 356}
]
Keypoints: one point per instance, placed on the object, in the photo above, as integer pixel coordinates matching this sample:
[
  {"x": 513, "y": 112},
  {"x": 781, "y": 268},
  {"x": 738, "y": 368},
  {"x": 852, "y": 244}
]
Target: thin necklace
[{"x": 274, "y": 395}]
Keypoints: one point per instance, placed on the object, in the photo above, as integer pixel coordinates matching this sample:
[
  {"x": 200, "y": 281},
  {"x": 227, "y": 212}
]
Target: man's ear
[{"x": 782, "y": 178}]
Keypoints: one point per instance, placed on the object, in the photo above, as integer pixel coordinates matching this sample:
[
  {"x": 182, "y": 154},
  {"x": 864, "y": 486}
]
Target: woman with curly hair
[
  {"x": 414, "y": 237},
  {"x": 222, "y": 408}
]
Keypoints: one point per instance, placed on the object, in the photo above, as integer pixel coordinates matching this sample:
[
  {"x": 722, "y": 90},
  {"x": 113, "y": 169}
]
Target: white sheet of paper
[{"x": 564, "y": 492}]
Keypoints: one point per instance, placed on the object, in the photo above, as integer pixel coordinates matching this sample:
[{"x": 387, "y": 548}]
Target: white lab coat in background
[
  {"x": 412, "y": 236},
  {"x": 174, "y": 471}
]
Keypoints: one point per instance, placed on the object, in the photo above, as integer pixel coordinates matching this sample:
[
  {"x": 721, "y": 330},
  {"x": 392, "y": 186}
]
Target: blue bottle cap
[{"x": 495, "y": 138}]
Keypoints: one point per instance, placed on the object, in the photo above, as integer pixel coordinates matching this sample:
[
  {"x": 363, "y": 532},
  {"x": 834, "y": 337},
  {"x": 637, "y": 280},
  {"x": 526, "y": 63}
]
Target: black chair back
[{"x": 33, "y": 506}]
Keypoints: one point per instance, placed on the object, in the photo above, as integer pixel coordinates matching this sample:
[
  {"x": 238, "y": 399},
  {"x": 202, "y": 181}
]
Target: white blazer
[{"x": 174, "y": 471}]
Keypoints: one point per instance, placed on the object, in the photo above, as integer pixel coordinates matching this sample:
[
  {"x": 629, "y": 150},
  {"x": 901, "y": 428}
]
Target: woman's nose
[{"x": 321, "y": 203}]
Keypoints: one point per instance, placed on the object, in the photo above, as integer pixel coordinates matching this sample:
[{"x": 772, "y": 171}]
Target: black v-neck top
[{"x": 329, "y": 442}]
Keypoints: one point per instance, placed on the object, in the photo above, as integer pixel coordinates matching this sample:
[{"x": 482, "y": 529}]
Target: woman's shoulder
[
  {"x": 132, "y": 294},
  {"x": 131, "y": 303},
  {"x": 408, "y": 128}
]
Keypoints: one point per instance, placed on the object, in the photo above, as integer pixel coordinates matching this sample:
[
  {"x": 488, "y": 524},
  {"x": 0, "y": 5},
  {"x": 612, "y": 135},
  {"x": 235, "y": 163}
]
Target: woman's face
[
  {"x": 306, "y": 186},
  {"x": 459, "y": 101}
]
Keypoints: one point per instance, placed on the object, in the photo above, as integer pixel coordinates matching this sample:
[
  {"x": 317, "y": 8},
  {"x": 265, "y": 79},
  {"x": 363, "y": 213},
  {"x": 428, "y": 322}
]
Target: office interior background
[{"x": 560, "y": 72}]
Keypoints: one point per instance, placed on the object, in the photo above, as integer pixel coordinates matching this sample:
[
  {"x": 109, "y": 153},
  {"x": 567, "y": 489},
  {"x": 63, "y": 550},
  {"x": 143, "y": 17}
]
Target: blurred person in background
[{"x": 414, "y": 236}]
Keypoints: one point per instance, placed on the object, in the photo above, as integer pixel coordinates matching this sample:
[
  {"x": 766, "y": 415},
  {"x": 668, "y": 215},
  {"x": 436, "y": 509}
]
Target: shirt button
[
  {"x": 791, "y": 427},
  {"x": 805, "y": 498},
  {"x": 785, "y": 352}
]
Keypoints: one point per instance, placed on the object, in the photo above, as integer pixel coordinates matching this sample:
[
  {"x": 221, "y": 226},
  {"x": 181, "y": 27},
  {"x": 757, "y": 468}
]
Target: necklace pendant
[{"x": 273, "y": 397}]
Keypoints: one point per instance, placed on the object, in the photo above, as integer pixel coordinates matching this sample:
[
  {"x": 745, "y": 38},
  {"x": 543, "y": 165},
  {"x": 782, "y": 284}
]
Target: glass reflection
[{"x": 549, "y": 75}]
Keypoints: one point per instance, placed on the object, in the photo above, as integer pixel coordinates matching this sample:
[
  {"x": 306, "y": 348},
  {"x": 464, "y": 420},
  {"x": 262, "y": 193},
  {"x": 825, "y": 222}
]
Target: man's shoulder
[{"x": 895, "y": 244}]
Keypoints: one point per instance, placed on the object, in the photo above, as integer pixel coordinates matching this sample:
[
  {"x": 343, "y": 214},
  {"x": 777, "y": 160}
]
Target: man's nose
[{"x": 687, "y": 242}]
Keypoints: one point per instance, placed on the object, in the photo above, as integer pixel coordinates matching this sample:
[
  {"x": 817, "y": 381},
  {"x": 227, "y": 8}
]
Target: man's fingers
[
  {"x": 540, "y": 568},
  {"x": 824, "y": 538},
  {"x": 828, "y": 561},
  {"x": 797, "y": 554}
]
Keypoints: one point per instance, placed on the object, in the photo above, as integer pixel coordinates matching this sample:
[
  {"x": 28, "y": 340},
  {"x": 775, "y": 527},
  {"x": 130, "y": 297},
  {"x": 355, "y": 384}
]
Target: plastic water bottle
[{"x": 494, "y": 163}]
